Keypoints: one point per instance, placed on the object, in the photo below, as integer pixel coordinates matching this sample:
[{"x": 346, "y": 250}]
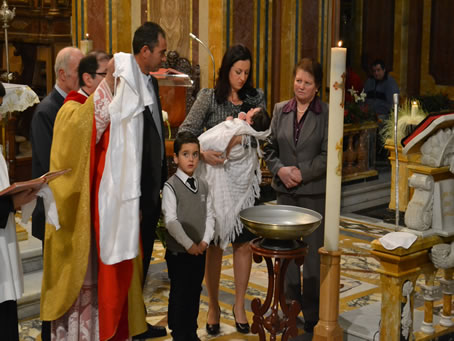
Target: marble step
[
  {"x": 28, "y": 304},
  {"x": 30, "y": 249},
  {"x": 32, "y": 265},
  {"x": 365, "y": 195},
  {"x": 364, "y": 323}
]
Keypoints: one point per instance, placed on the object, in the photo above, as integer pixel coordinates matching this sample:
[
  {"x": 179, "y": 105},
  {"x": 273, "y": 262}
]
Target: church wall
[
  {"x": 428, "y": 83},
  {"x": 413, "y": 53},
  {"x": 404, "y": 41},
  {"x": 219, "y": 23}
]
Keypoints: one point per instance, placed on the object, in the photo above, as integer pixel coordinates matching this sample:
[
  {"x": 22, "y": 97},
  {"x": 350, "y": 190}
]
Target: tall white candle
[
  {"x": 86, "y": 45},
  {"x": 335, "y": 138},
  {"x": 414, "y": 109}
]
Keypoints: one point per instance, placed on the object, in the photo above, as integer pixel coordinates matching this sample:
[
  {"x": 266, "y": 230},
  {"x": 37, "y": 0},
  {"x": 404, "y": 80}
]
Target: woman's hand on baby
[
  {"x": 233, "y": 142},
  {"x": 242, "y": 116},
  {"x": 212, "y": 157},
  {"x": 229, "y": 118}
]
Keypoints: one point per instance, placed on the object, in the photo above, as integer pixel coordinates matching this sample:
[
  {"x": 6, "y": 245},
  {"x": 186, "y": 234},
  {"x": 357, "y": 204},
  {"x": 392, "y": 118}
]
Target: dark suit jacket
[
  {"x": 154, "y": 172},
  {"x": 309, "y": 154},
  {"x": 41, "y": 132}
]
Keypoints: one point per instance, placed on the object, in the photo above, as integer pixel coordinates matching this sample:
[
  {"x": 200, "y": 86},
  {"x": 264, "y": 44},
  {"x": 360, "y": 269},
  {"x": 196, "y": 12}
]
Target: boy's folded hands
[{"x": 198, "y": 249}]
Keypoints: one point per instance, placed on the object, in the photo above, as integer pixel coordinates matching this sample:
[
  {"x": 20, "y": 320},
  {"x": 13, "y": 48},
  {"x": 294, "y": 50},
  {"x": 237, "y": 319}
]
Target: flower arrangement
[
  {"x": 357, "y": 110},
  {"x": 165, "y": 118},
  {"x": 410, "y": 114}
]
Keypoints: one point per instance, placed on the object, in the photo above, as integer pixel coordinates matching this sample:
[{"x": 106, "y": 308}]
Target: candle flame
[
  {"x": 339, "y": 43},
  {"x": 87, "y": 36},
  {"x": 415, "y": 103}
]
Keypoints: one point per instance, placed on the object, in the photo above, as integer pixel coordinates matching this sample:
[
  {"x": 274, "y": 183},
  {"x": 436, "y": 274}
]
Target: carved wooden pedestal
[
  {"x": 276, "y": 275},
  {"x": 397, "y": 267},
  {"x": 327, "y": 328}
]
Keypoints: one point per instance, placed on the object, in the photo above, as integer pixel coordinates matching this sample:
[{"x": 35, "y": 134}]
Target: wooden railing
[{"x": 359, "y": 151}]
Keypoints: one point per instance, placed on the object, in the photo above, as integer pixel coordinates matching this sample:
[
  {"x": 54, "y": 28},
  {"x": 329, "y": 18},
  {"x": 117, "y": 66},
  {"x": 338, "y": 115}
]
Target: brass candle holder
[{"x": 6, "y": 16}]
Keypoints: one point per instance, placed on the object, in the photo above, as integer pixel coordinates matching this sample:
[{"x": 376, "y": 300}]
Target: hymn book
[{"x": 33, "y": 184}]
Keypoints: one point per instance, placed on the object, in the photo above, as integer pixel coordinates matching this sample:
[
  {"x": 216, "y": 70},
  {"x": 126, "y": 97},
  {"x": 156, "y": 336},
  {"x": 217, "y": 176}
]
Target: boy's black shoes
[{"x": 153, "y": 331}]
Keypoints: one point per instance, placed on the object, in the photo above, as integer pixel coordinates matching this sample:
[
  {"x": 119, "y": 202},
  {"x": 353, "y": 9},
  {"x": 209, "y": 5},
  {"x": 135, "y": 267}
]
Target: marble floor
[{"x": 359, "y": 285}]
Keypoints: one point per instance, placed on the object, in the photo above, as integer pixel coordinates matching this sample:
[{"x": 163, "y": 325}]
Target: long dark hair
[{"x": 223, "y": 88}]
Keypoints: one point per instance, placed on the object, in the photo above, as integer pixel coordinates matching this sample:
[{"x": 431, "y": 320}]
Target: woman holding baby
[{"x": 233, "y": 93}]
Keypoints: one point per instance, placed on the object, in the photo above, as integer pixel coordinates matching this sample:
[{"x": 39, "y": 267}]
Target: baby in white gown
[{"x": 235, "y": 184}]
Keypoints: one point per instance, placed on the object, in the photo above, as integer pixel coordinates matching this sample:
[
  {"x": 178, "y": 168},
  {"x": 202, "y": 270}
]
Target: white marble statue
[
  {"x": 432, "y": 205},
  {"x": 442, "y": 255},
  {"x": 418, "y": 215},
  {"x": 438, "y": 150}
]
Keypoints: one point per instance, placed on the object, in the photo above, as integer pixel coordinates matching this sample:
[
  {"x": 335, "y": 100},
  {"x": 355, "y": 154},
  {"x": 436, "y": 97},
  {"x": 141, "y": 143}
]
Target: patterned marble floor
[{"x": 359, "y": 285}]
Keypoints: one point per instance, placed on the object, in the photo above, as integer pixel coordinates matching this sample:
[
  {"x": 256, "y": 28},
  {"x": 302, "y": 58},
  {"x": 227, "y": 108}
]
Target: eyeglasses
[{"x": 102, "y": 74}]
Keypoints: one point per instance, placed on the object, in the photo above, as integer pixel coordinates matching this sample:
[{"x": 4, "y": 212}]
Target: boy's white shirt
[
  {"x": 235, "y": 184},
  {"x": 169, "y": 208}
]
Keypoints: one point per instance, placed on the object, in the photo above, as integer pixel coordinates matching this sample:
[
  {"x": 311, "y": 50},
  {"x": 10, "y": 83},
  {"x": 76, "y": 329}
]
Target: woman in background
[{"x": 296, "y": 155}]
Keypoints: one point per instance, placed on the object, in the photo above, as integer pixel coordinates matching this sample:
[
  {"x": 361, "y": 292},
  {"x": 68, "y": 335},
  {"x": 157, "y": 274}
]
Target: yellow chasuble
[{"x": 67, "y": 250}]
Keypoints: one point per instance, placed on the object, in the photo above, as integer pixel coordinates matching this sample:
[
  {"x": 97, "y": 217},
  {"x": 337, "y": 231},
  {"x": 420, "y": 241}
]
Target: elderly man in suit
[
  {"x": 42, "y": 125},
  {"x": 296, "y": 155},
  {"x": 41, "y": 131}
]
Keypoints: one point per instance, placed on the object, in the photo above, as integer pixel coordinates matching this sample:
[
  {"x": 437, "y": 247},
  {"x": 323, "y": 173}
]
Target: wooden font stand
[
  {"x": 276, "y": 275},
  {"x": 327, "y": 327}
]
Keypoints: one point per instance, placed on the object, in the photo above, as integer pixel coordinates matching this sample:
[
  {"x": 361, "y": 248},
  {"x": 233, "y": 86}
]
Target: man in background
[
  {"x": 41, "y": 132},
  {"x": 380, "y": 89}
]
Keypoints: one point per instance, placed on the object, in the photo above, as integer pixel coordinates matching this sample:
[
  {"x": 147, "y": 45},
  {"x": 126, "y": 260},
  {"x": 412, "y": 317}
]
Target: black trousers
[
  {"x": 186, "y": 274},
  {"x": 309, "y": 296},
  {"x": 148, "y": 235},
  {"x": 8, "y": 321}
]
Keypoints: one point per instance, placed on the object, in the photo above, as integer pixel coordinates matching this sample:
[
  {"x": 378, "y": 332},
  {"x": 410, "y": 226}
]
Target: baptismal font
[{"x": 280, "y": 228}]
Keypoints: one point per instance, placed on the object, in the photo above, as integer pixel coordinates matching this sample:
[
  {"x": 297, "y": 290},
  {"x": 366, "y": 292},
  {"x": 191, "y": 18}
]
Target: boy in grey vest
[{"x": 189, "y": 219}]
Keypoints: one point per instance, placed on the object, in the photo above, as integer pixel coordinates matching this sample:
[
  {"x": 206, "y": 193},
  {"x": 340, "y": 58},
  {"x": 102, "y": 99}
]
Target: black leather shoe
[
  {"x": 214, "y": 329},
  {"x": 152, "y": 332},
  {"x": 242, "y": 328},
  {"x": 309, "y": 326}
]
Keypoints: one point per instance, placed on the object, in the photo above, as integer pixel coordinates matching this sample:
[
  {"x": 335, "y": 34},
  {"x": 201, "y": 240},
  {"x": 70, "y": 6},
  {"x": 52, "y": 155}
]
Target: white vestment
[
  {"x": 11, "y": 276},
  {"x": 119, "y": 190},
  {"x": 234, "y": 185}
]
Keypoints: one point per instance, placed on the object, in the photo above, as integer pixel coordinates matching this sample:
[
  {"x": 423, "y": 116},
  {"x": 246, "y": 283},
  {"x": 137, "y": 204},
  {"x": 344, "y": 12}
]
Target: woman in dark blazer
[{"x": 296, "y": 155}]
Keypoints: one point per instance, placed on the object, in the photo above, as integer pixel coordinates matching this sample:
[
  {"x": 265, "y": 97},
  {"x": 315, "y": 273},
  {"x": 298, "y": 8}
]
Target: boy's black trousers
[{"x": 186, "y": 275}]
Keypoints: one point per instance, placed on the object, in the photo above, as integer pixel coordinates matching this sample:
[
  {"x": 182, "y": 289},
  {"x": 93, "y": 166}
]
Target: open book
[{"x": 34, "y": 183}]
